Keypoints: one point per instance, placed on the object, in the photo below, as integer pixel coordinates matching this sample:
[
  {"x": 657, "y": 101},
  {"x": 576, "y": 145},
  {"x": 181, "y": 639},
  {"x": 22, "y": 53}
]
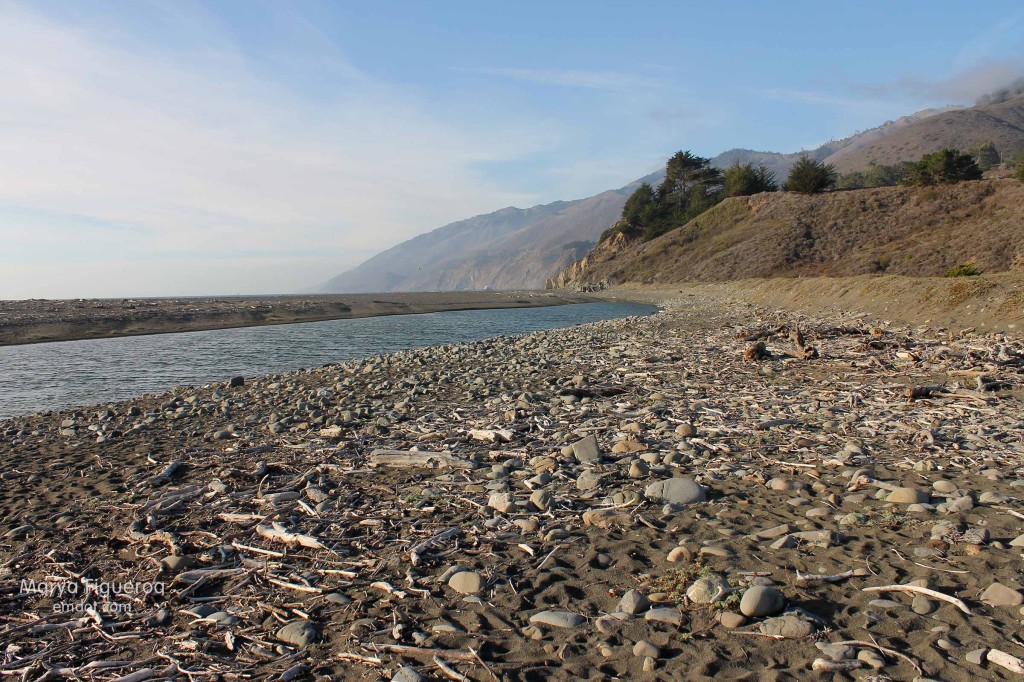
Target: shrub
[
  {"x": 808, "y": 176},
  {"x": 986, "y": 156},
  {"x": 963, "y": 270},
  {"x": 876, "y": 175},
  {"x": 943, "y": 167},
  {"x": 1019, "y": 173},
  {"x": 743, "y": 179}
]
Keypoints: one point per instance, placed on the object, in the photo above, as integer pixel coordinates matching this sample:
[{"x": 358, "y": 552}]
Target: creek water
[{"x": 63, "y": 374}]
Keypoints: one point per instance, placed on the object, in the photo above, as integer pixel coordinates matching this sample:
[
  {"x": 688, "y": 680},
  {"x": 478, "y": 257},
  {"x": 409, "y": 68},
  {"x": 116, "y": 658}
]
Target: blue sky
[{"x": 167, "y": 147}]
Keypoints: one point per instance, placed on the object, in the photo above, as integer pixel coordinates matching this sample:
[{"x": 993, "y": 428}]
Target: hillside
[
  {"x": 834, "y": 151},
  {"x": 895, "y": 230},
  {"x": 512, "y": 248},
  {"x": 1002, "y": 123},
  {"x": 517, "y": 248}
]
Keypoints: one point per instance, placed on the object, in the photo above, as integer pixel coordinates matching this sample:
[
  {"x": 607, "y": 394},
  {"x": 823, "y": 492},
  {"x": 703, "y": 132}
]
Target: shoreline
[
  {"x": 991, "y": 302},
  {"x": 45, "y": 321},
  {"x": 530, "y": 515}
]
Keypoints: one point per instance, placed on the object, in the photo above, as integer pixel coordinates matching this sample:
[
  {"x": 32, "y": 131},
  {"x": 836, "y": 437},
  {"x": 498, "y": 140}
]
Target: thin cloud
[
  {"x": 199, "y": 150},
  {"x": 963, "y": 86},
  {"x": 816, "y": 98},
  {"x": 984, "y": 46},
  {"x": 568, "y": 78}
]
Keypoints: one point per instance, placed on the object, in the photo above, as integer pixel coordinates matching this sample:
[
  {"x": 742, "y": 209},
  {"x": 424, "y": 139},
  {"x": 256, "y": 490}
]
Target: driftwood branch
[
  {"x": 922, "y": 590},
  {"x": 412, "y": 458}
]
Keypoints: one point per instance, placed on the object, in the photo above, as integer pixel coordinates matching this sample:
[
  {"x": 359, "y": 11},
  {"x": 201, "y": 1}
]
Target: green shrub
[
  {"x": 963, "y": 270},
  {"x": 743, "y": 179},
  {"x": 808, "y": 176},
  {"x": 943, "y": 167},
  {"x": 1019, "y": 173}
]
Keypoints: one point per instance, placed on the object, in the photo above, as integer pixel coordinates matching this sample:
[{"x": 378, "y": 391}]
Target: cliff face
[
  {"x": 577, "y": 272},
  {"x": 892, "y": 230}
]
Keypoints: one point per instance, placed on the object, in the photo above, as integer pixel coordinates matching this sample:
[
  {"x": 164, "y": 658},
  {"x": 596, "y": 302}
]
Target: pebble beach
[{"x": 710, "y": 492}]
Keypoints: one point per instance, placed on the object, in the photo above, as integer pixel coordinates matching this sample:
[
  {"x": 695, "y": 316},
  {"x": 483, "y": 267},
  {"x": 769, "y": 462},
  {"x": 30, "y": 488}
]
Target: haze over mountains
[{"x": 522, "y": 248}]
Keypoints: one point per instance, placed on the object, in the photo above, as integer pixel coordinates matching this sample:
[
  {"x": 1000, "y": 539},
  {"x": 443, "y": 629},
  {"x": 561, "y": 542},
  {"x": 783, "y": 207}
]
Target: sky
[{"x": 169, "y": 147}]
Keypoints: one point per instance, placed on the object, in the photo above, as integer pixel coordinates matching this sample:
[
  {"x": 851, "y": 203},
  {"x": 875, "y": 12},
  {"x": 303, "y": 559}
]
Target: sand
[{"x": 39, "y": 320}]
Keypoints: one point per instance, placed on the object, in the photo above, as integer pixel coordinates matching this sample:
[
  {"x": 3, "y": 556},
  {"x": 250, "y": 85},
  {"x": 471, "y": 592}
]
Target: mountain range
[{"x": 516, "y": 248}]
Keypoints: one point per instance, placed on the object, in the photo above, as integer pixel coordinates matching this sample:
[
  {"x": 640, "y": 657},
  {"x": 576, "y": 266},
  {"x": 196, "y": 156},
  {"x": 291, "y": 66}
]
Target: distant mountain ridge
[
  {"x": 513, "y": 248},
  {"x": 517, "y": 248}
]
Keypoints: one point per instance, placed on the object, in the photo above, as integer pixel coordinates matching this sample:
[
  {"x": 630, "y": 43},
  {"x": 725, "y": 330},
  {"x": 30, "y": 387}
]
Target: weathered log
[{"x": 414, "y": 459}]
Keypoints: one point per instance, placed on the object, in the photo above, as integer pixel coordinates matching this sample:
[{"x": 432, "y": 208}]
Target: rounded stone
[
  {"x": 633, "y": 602},
  {"x": 407, "y": 674},
  {"x": 541, "y": 499},
  {"x": 300, "y": 633},
  {"x": 676, "y": 491},
  {"x": 466, "y": 582},
  {"x": 731, "y": 620},
  {"x": 706, "y": 590},
  {"x": 922, "y": 605},
  {"x": 178, "y": 563},
  {"x": 759, "y": 601},
  {"x": 557, "y": 619},
  {"x": 644, "y": 649},
  {"x": 907, "y": 496}
]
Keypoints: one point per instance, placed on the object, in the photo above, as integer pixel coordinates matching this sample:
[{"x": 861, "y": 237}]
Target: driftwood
[
  {"x": 415, "y": 651},
  {"x": 833, "y": 578},
  {"x": 922, "y": 590},
  {"x": 276, "y": 533},
  {"x": 165, "y": 475},
  {"x": 491, "y": 435},
  {"x": 916, "y": 392},
  {"x": 412, "y": 458},
  {"x": 1005, "y": 660},
  {"x": 421, "y": 547},
  {"x": 825, "y": 665}
]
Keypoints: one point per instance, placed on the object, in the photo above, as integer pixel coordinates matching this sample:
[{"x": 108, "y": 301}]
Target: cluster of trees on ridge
[{"x": 692, "y": 185}]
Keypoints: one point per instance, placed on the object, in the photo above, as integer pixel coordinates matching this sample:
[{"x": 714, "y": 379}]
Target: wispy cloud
[
  {"x": 569, "y": 78},
  {"x": 816, "y": 98},
  {"x": 963, "y": 86},
  {"x": 201, "y": 151},
  {"x": 988, "y": 43}
]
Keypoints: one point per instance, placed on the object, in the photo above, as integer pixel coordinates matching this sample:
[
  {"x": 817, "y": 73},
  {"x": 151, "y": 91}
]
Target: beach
[{"x": 716, "y": 491}]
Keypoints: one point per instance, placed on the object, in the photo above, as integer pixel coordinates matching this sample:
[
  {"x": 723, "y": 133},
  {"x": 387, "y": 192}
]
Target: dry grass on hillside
[{"x": 891, "y": 230}]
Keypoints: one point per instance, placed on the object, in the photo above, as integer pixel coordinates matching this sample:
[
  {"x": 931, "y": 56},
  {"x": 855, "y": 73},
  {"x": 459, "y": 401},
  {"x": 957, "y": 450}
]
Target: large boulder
[{"x": 676, "y": 491}]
